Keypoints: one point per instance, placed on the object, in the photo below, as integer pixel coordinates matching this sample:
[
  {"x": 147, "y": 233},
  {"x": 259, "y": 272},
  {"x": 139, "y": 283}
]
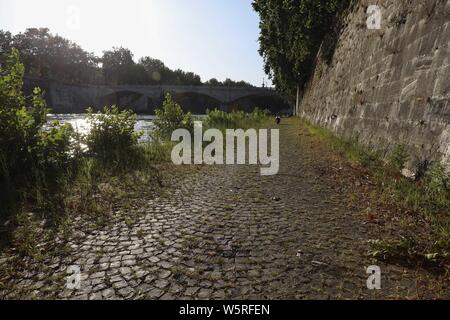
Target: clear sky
[{"x": 213, "y": 38}]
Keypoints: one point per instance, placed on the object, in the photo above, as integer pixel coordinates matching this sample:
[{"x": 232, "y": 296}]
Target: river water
[{"x": 81, "y": 125}]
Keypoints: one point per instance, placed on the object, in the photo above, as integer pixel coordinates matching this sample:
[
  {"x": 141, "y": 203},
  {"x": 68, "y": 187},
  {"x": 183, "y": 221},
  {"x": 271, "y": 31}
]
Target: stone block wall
[{"x": 388, "y": 86}]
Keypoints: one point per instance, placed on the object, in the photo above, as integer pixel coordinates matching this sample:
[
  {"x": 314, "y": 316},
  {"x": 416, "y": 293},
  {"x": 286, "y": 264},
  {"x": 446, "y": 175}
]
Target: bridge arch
[
  {"x": 195, "y": 102},
  {"x": 127, "y": 99},
  {"x": 259, "y": 100}
]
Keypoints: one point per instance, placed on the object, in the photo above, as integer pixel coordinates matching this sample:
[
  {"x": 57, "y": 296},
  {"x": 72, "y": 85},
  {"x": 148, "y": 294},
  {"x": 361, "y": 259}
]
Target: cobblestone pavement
[{"x": 225, "y": 232}]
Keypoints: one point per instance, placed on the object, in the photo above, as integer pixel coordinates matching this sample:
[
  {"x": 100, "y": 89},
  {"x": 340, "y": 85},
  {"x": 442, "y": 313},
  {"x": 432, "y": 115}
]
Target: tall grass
[
  {"x": 222, "y": 120},
  {"x": 429, "y": 196}
]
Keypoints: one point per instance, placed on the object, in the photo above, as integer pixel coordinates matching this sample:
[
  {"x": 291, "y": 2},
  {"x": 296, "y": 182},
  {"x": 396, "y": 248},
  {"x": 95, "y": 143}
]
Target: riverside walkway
[{"x": 226, "y": 232}]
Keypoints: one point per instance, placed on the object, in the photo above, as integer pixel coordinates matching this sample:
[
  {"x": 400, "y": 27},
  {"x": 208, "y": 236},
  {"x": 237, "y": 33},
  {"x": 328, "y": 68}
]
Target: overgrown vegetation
[
  {"x": 34, "y": 163},
  {"x": 112, "y": 138},
  {"x": 236, "y": 119},
  {"x": 50, "y": 174},
  {"x": 428, "y": 197},
  {"x": 103, "y": 168},
  {"x": 171, "y": 117},
  {"x": 45, "y": 173},
  {"x": 398, "y": 157}
]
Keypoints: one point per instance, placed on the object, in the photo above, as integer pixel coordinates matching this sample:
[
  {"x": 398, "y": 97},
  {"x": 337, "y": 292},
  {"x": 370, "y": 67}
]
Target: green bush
[
  {"x": 112, "y": 138},
  {"x": 399, "y": 157},
  {"x": 437, "y": 187},
  {"x": 170, "y": 118},
  {"x": 236, "y": 119},
  {"x": 33, "y": 160}
]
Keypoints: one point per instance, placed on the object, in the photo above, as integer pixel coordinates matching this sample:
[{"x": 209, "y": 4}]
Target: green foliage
[
  {"x": 349, "y": 148},
  {"x": 429, "y": 198},
  {"x": 112, "y": 137},
  {"x": 170, "y": 118},
  {"x": 291, "y": 33},
  {"x": 38, "y": 161},
  {"x": 228, "y": 83},
  {"x": 390, "y": 250},
  {"x": 236, "y": 119},
  {"x": 119, "y": 68},
  {"x": 399, "y": 157},
  {"x": 157, "y": 151},
  {"x": 159, "y": 73},
  {"x": 32, "y": 160},
  {"x": 51, "y": 56},
  {"x": 410, "y": 251},
  {"x": 437, "y": 187},
  {"x": 26, "y": 235}
]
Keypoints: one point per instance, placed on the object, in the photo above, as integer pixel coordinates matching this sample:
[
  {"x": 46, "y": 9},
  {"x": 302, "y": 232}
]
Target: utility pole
[{"x": 297, "y": 101}]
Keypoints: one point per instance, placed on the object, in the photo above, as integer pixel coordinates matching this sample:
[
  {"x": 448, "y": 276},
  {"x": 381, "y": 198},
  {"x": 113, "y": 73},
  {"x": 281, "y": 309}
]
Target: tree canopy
[
  {"x": 227, "y": 83},
  {"x": 291, "y": 32},
  {"x": 51, "y": 56}
]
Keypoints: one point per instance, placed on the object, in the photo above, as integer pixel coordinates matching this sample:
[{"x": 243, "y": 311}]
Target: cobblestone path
[{"x": 225, "y": 232}]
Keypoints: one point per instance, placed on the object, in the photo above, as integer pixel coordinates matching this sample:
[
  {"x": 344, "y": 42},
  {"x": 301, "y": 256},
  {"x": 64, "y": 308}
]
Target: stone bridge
[{"x": 73, "y": 98}]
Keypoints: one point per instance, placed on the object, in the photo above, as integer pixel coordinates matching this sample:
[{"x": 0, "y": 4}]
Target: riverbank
[
  {"x": 226, "y": 232},
  {"x": 101, "y": 167}
]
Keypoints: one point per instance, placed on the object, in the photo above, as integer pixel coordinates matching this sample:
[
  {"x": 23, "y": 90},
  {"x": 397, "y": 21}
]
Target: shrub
[
  {"x": 235, "y": 119},
  {"x": 437, "y": 187},
  {"x": 33, "y": 160},
  {"x": 112, "y": 137},
  {"x": 170, "y": 118},
  {"x": 399, "y": 157}
]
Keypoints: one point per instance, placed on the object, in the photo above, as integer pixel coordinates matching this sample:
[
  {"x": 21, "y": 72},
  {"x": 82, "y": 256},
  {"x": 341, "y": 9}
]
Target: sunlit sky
[{"x": 213, "y": 38}]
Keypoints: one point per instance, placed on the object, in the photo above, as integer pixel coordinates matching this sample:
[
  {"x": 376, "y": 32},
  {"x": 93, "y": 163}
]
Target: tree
[
  {"x": 171, "y": 117},
  {"x": 291, "y": 32},
  {"x": 5, "y": 45},
  {"x": 160, "y": 74},
  {"x": 187, "y": 78},
  {"x": 118, "y": 65},
  {"x": 213, "y": 82},
  {"x": 228, "y": 82},
  {"x": 47, "y": 56},
  {"x": 156, "y": 70}
]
